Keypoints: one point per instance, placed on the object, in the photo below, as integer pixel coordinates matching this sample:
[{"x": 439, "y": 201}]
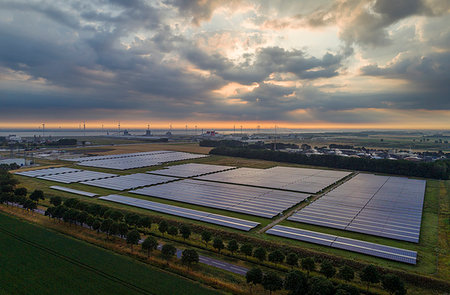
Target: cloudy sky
[{"x": 215, "y": 63}]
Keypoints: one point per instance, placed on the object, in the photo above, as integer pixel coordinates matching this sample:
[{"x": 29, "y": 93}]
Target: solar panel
[
  {"x": 47, "y": 171},
  {"x": 249, "y": 200},
  {"x": 77, "y": 176},
  {"x": 226, "y": 221},
  {"x": 286, "y": 178},
  {"x": 373, "y": 249},
  {"x": 131, "y": 181},
  {"x": 138, "y": 160},
  {"x": 377, "y": 205},
  {"x": 190, "y": 170},
  {"x": 73, "y": 191}
]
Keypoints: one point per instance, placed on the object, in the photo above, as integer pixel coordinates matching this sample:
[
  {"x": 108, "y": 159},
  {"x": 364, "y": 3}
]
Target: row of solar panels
[
  {"x": 377, "y": 205},
  {"x": 378, "y": 250},
  {"x": 46, "y": 171},
  {"x": 222, "y": 220},
  {"x": 73, "y": 191},
  {"x": 131, "y": 181},
  {"x": 127, "y": 155},
  {"x": 243, "y": 199},
  {"x": 285, "y": 178},
  {"x": 190, "y": 170},
  {"x": 141, "y": 160},
  {"x": 77, "y": 176}
]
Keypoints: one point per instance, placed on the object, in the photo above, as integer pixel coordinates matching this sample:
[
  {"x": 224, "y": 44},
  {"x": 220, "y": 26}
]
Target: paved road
[{"x": 237, "y": 269}]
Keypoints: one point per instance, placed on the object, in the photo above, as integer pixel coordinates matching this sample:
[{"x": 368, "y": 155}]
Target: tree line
[{"x": 437, "y": 169}]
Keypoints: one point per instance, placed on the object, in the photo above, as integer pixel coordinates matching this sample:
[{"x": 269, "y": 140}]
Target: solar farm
[
  {"x": 383, "y": 206},
  {"x": 47, "y": 171},
  {"x": 222, "y": 220},
  {"x": 137, "y": 160},
  {"x": 249, "y": 200},
  {"x": 285, "y": 178},
  {"x": 191, "y": 170},
  {"x": 358, "y": 246},
  {"x": 131, "y": 181},
  {"x": 76, "y": 176},
  {"x": 389, "y": 207}
]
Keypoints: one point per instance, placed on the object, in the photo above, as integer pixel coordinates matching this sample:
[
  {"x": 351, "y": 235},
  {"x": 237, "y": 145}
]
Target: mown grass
[{"x": 57, "y": 264}]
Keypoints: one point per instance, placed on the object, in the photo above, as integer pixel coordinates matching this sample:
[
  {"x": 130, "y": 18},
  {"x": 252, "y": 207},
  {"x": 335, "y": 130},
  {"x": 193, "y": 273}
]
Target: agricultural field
[{"x": 40, "y": 261}]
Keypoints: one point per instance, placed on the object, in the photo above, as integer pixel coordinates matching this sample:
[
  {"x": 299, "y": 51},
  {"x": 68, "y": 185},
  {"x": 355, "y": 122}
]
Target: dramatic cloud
[{"x": 347, "y": 61}]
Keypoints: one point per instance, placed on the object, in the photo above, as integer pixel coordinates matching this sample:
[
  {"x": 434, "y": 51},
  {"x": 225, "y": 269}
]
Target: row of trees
[
  {"x": 297, "y": 282},
  {"x": 438, "y": 169}
]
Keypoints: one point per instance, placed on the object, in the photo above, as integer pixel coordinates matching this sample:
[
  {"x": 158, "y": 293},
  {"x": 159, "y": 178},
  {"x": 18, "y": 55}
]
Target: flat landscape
[{"x": 41, "y": 261}]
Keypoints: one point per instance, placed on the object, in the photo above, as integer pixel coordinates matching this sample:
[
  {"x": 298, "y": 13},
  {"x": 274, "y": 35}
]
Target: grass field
[{"x": 40, "y": 261}]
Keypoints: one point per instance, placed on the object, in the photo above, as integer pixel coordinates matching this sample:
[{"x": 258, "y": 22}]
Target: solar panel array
[
  {"x": 378, "y": 250},
  {"x": 77, "y": 176},
  {"x": 249, "y": 200},
  {"x": 91, "y": 158},
  {"x": 190, "y": 170},
  {"x": 73, "y": 191},
  {"x": 377, "y": 205},
  {"x": 131, "y": 181},
  {"x": 231, "y": 222},
  {"x": 47, "y": 171},
  {"x": 286, "y": 178},
  {"x": 139, "y": 160}
]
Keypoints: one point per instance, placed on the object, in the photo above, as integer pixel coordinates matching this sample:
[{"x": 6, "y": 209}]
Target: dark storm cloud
[
  {"x": 267, "y": 61},
  {"x": 365, "y": 22},
  {"x": 103, "y": 59}
]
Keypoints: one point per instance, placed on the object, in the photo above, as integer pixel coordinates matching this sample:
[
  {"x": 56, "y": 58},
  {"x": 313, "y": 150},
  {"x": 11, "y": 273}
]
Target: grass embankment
[{"x": 36, "y": 260}]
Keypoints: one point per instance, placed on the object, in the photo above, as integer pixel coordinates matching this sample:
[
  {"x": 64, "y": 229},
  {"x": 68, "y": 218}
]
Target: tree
[
  {"x": 296, "y": 282},
  {"x": 90, "y": 220},
  {"x": 260, "y": 254},
  {"x": 292, "y": 259},
  {"x": 149, "y": 244},
  {"x": 30, "y": 205},
  {"x": 145, "y": 222},
  {"x": 343, "y": 289},
  {"x": 393, "y": 284},
  {"x": 346, "y": 273},
  {"x": 96, "y": 225},
  {"x": 276, "y": 256},
  {"x": 81, "y": 217},
  {"x": 116, "y": 215},
  {"x": 308, "y": 265},
  {"x": 232, "y": 246},
  {"x": 189, "y": 256},
  {"x": 168, "y": 251},
  {"x": 218, "y": 244},
  {"x": 21, "y": 191},
  {"x": 106, "y": 224},
  {"x": 247, "y": 249},
  {"x": 114, "y": 228},
  {"x": 321, "y": 286},
  {"x": 254, "y": 276},
  {"x": 173, "y": 231},
  {"x": 206, "y": 237},
  {"x": 37, "y": 195},
  {"x": 370, "y": 275},
  {"x": 55, "y": 201},
  {"x": 123, "y": 229},
  {"x": 272, "y": 282},
  {"x": 163, "y": 226},
  {"x": 327, "y": 269},
  {"x": 185, "y": 231},
  {"x": 132, "y": 219},
  {"x": 133, "y": 238}
]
